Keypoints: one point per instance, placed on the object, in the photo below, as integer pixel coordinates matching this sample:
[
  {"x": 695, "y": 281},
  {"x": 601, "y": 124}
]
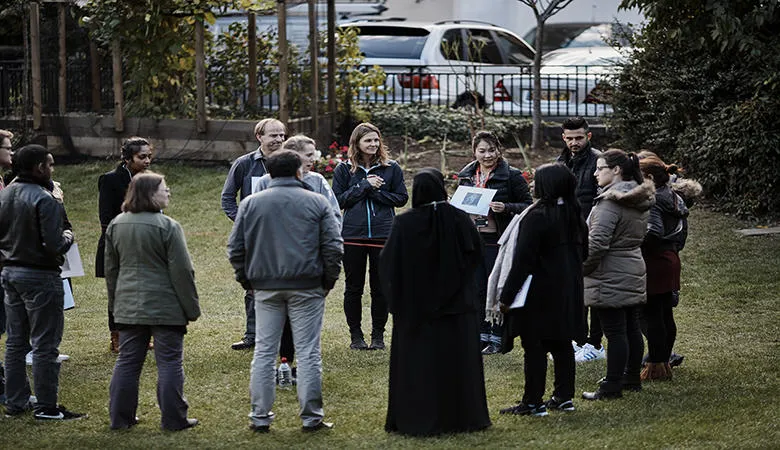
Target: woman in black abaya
[{"x": 427, "y": 268}]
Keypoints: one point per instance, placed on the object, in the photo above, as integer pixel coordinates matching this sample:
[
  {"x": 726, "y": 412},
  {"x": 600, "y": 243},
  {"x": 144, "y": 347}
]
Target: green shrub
[
  {"x": 419, "y": 121},
  {"x": 703, "y": 90}
]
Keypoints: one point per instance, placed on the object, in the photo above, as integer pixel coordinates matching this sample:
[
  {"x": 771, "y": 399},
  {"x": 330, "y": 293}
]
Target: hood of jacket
[
  {"x": 689, "y": 190},
  {"x": 630, "y": 194}
]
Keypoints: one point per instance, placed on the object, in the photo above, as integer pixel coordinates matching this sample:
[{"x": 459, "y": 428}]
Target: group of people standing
[{"x": 601, "y": 233}]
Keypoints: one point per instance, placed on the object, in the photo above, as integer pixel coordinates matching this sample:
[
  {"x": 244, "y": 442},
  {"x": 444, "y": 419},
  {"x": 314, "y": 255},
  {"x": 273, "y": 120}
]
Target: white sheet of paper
[
  {"x": 473, "y": 200},
  {"x": 69, "y": 301},
  {"x": 522, "y": 294},
  {"x": 72, "y": 266}
]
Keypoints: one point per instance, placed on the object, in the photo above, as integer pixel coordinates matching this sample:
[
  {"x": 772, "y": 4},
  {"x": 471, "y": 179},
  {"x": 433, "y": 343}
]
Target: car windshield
[
  {"x": 392, "y": 42},
  {"x": 573, "y": 35}
]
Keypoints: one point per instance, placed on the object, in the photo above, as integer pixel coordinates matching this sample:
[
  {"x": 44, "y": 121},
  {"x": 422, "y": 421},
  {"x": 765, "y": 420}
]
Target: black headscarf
[{"x": 430, "y": 255}]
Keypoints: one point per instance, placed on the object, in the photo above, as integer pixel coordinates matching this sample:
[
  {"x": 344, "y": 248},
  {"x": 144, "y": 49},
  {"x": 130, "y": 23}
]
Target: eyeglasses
[
  {"x": 6, "y": 148},
  {"x": 599, "y": 168}
]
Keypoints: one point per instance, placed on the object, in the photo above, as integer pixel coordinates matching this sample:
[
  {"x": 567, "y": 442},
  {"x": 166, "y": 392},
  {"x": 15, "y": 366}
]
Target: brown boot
[
  {"x": 656, "y": 372},
  {"x": 114, "y": 346}
]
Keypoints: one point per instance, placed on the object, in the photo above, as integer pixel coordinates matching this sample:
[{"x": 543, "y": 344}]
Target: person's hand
[
  {"x": 67, "y": 234},
  {"x": 375, "y": 181},
  {"x": 503, "y": 308},
  {"x": 497, "y": 207}
]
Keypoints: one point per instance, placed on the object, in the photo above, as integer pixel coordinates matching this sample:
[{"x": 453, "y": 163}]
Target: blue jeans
[{"x": 33, "y": 308}]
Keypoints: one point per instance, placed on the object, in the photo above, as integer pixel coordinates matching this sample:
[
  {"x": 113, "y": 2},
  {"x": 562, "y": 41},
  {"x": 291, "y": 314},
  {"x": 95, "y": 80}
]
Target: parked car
[
  {"x": 575, "y": 81},
  {"x": 579, "y": 34},
  {"x": 445, "y": 63}
]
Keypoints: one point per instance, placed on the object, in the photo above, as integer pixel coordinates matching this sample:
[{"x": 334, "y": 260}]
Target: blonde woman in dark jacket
[
  {"x": 615, "y": 272},
  {"x": 151, "y": 292}
]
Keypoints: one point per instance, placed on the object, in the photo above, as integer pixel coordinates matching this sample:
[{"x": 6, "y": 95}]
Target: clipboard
[{"x": 473, "y": 200}]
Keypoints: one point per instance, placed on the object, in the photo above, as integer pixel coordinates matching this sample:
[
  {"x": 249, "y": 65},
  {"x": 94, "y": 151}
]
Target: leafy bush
[
  {"x": 419, "y": 121},
  {"x": 703, "y": 90}
]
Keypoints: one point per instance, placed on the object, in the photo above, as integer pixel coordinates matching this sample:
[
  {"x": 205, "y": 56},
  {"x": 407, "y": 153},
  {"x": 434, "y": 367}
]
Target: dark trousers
[
  {"x": 595, "y": 334},
  {"x": 487, "y": 331},
  {"x": 535, "y": 358},
  {"x": 33, "y": 308},
  {"x": 249, "y": 307},
  {"x": 123, "y": 390},
  {"x": 659, "y": 326},
  {"x": 355, "y": 279},
  {"x": 624, "y": 344}
]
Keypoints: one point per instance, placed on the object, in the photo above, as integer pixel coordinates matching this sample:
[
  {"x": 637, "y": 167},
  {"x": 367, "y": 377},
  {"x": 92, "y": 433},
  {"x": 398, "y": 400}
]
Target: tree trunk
[
  {"x": 332, "y": 63},
  {"x": 119, "y": 100},
  {"x": 200, "y": 77},
  {"x": 281, "y": 13},
  {"x": 35, "y": 52},
  {"x": 315, "y": 68},
  {"x": 537, "y": 140},
  {"x": 251, "y": 31},
  {"x": 63, "y": 57},
  {"x": 94, "y": 68}
]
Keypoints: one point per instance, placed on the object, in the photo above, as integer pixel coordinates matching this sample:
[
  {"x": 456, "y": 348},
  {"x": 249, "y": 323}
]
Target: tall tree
[{"x": 543, "y": 10}]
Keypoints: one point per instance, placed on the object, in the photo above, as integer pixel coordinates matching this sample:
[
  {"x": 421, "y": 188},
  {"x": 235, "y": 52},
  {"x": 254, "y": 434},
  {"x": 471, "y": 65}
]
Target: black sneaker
[
  {"x": 377, "y": 343},
  {"x": 560, "y": 405},
  {"x": 58, "y": 413},
  {"x": 675, "y": 360},
  {"x": 523, "y": 409},
  {"x": 358, "y": 343},
  {"x": 243, "y": 344}
]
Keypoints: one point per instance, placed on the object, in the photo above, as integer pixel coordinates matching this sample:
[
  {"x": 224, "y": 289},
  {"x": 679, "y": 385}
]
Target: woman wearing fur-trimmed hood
[{"x": 614, "y": 270}]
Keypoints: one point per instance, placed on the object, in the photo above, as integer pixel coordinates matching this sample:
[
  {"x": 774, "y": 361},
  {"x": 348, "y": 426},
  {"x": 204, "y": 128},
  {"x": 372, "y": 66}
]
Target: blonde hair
[
  {"x": 353, "y": 153},
  {"x": 260, "y": 126},
  {"x": 298, "y": 143}
]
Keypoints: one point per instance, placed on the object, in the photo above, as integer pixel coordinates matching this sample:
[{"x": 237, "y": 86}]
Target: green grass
[{"x": 724, "y": 395}]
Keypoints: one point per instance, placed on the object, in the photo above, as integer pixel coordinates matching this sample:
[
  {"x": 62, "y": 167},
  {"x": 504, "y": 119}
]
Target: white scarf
[{"x": 502, "y": 267}]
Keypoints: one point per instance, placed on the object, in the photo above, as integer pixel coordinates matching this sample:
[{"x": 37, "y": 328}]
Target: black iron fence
[{"x": 566, "y": 90}]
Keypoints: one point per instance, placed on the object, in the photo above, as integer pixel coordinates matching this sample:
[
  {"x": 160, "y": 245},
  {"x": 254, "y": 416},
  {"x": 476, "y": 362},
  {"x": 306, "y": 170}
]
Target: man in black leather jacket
[
  {"x": 579, "y": 155},
  {"x": 32, "y": 244}
]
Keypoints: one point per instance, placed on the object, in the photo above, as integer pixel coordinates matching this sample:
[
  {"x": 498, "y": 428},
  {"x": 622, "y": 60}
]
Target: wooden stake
[
  {"x": 281, "y": 13},
  {"x": 35, "y": 54},
  {"x": 119, "y": 103},
  {"x": 200, "y": 77},
  {"x": 315, "y": 67}
]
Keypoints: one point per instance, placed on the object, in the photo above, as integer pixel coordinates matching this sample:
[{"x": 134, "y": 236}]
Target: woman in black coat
[
  {"x": 490, "y": 170},
  {"x": 112, "y": 186},
  {"x": 552, "y": 243},
  {"x": 437, "y": 383},
  {"x": 369, "y": 186}
]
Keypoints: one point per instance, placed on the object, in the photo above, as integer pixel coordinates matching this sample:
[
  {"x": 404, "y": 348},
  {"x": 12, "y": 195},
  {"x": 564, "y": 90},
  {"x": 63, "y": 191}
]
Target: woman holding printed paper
[
  {"x": 551, "y": 244},
  {"x": 490, "y": 170}
]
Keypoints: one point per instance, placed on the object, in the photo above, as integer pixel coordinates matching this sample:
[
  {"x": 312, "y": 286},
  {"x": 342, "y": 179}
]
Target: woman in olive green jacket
[{"x": 151, "y": 292}]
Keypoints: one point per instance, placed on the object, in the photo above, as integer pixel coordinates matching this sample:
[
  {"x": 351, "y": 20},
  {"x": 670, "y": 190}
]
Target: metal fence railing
[{"x": 566, "y": 90}]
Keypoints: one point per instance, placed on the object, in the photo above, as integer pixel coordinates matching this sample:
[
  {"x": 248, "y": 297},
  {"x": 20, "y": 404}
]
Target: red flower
[
  {"x": 334, "y": 145},
  {"x": 454, "y": 176},
  {"x": 328, "y": 168},
  {"x": 528, "y": 176},
  {"x": 344, "y": 149}
]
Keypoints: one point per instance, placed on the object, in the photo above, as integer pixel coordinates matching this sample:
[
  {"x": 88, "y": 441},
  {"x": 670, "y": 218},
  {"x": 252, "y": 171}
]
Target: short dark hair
[
  {"x": 575, "y": 123},
  {"x": 140, "y": 193},
  {"x": 283, "y": 163},
  {"x": 26, "y": 158},
  {"x": 133, "y": 145}
]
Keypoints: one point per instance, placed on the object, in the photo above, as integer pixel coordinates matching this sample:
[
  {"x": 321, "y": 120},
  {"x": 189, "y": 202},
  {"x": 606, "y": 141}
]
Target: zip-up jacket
[
  {"x": 31, "y": 227},
  {"x": 583, "y": 164},
  {"x": 369, "y": 212},
  {"x": 243, "y": 170}
]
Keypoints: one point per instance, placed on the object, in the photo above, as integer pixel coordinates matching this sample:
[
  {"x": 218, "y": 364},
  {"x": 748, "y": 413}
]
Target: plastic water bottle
[{"x": 285, "y": 374}]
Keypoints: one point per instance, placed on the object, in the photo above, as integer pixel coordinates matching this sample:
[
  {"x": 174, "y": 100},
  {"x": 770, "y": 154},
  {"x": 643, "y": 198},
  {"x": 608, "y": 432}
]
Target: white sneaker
[
  {"x": 28, "y": 358},
  {"x": 590, "y": 353},
  {"x": 575, "y": 347}
]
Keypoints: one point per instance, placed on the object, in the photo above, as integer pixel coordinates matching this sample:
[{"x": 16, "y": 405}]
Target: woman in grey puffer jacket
[{"x": 615, "y": 271}]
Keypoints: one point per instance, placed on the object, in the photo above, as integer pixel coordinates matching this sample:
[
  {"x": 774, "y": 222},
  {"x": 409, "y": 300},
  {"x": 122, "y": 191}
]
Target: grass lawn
[{"x": 726, "y": 393}]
